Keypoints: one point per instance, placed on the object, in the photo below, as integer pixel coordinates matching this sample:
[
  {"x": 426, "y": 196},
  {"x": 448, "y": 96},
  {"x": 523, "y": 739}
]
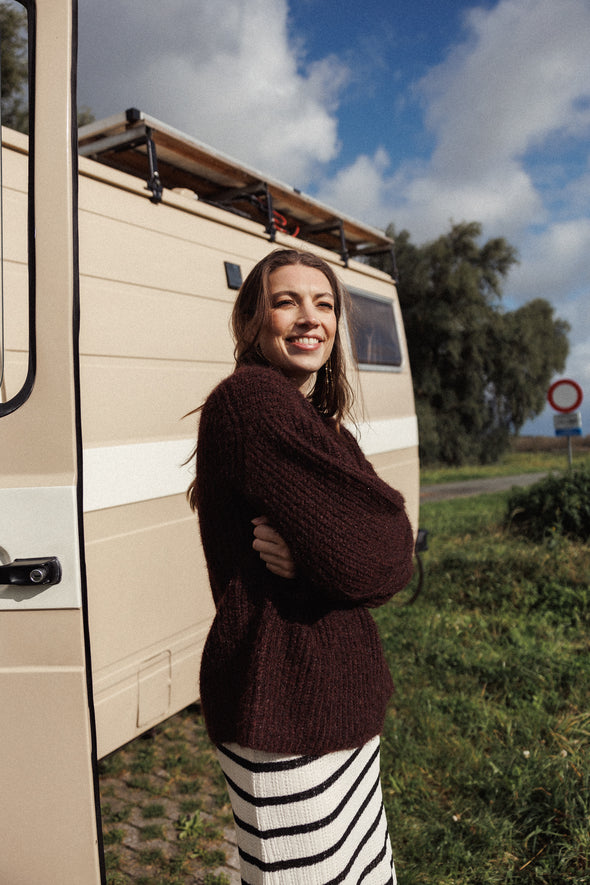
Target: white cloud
[
  {"x": 226, "y": 73},
  {"x": 521, "y": 75},
  {"x": 555, "y": 263},
  {"x": 361, "y": 189}
]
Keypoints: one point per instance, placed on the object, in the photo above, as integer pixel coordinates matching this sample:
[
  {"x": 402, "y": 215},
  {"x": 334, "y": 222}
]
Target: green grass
[
  {"x": 511, "y": 464},
  {"x": 486, "y": 772},
  {"x": 156, "y": 809}
]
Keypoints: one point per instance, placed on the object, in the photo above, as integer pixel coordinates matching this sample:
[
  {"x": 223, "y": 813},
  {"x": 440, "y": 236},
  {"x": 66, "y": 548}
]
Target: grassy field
[
  {"x": 486, "y": 766},
  {"x": 526, "y": 455}
]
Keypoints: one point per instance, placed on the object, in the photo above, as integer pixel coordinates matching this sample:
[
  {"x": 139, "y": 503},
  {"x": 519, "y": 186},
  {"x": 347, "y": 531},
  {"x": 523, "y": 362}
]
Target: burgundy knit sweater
[{"x": 294, "y": 666}]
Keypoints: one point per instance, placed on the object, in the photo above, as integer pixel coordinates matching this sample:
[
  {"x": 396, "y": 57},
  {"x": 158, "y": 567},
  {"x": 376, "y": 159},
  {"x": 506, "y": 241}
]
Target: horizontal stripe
[
  {"x": 311, "y": 860},
  {"x": 289, "y": 798},
  {"x": 278, "y": 765},
  {"x": 117, "y": 475},
  {"x": 314, "y": 825},
  {"x": 388, "y": 435},
  {"x": 126, "y": 474}
]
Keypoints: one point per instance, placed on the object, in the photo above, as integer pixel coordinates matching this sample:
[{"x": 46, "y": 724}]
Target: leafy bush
[{"x": 559, "y": 504}]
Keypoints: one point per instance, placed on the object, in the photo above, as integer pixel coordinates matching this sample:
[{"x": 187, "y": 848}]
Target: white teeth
[{"x": 307, "y": 340}]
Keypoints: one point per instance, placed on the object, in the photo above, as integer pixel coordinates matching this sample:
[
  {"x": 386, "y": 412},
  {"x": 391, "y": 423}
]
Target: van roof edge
[{"x": 141, "y": 145}]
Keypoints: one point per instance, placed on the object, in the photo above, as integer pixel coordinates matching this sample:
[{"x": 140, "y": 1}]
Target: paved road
[{"x": 467, "y": 488}]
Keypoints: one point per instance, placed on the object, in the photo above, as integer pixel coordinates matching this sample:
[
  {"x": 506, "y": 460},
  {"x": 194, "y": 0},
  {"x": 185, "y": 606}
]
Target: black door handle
[{"x": 42, "y": 571}]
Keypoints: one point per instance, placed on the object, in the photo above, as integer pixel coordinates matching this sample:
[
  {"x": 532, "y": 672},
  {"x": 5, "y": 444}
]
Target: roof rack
[{"x": 144, "y": 147}]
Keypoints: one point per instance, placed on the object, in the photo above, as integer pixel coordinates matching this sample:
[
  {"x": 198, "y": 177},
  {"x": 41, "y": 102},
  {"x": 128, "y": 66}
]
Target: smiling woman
[{"x": 294, "y": 685}]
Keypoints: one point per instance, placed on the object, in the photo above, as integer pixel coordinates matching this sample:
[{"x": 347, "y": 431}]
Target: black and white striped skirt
[{"x": 309, "y": 820}]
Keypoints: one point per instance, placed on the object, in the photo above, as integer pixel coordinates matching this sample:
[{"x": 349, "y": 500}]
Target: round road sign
[{"x": 565, "y": 395}]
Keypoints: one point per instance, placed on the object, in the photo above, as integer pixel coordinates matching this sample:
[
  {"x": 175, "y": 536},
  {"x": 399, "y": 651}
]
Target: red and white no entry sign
[{"x": 565, "y": 395}]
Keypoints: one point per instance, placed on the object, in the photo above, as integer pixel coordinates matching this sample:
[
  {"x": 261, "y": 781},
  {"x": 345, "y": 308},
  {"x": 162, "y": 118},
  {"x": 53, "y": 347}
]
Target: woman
[{"x": 301, "y": 538}]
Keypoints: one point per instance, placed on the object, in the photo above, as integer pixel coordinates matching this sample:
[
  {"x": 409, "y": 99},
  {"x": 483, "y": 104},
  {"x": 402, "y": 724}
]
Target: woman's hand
[{"x": 272, "y": 549}]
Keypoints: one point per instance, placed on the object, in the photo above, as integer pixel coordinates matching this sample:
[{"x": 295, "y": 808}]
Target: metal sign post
[{"x": 565, "y": 397}]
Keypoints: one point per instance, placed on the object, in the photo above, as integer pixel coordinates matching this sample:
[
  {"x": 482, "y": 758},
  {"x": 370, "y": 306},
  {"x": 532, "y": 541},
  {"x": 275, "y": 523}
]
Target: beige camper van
[{"x": 119, "y": 270}]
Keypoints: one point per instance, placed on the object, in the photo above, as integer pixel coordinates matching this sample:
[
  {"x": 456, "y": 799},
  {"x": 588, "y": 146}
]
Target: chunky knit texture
[{"x": 294, "y": 666}]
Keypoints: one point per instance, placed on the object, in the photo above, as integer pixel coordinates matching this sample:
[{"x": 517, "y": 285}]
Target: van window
[
  {"x": 373, "y": 331},
  {"x": 16, "y": 290}
]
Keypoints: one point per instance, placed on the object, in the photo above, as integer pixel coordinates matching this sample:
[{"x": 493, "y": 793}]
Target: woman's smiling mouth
[{"x": 306, "y": 342}]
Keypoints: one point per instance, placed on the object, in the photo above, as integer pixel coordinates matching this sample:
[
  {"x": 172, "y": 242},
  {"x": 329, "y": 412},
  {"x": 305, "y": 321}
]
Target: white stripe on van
[
  {"x": 388, "y": 435},
  {"x": 116, "y": 475}
]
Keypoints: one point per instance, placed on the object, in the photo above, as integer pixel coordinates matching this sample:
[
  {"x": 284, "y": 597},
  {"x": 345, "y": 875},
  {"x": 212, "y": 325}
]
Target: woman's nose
[{"x": 308, "y": 313}]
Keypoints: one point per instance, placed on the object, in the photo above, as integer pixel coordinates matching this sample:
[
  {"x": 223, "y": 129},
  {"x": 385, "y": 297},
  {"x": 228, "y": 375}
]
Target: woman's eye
[{"x": 283, "y": 302}]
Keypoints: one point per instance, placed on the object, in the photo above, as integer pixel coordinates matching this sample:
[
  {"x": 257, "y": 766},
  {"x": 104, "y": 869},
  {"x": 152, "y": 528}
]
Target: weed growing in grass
[
  {"x": 112, "y": 860},
  {"x": 485, "y": 749},
  {"x": 144, "y": 756},
  {"x": 211, "y": 857},
  {"x": 188, "y": 806},
  {"x": 115, "y": 815},
  {"x": 191, "y": 826},
  {"x": 154, "y": 809},
  {"x": 151, "y": 832},
  {"x": 114, "y": 836}
]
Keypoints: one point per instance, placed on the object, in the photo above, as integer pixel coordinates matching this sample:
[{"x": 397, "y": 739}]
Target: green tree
[
  {"x": 479, "y": 372},
  {"x": 14, "y": 56}
]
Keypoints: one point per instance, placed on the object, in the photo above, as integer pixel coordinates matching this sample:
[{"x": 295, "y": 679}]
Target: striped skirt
[{"x": 309, "y": 820}]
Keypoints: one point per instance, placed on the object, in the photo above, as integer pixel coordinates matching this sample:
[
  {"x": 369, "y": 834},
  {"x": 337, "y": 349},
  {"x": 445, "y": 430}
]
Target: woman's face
[{"x": 299, "y": 332}]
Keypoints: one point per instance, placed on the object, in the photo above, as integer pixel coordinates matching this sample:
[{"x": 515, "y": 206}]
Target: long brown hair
[{"x": 331, "y": 394}]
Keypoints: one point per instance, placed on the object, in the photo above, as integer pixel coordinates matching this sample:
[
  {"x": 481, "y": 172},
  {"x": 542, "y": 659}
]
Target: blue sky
[{"x": 414, "y": 112}]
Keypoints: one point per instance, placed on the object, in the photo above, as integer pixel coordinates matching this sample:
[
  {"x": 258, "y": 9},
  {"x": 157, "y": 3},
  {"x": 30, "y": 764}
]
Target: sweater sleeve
[{"x": 346, "y": 528}]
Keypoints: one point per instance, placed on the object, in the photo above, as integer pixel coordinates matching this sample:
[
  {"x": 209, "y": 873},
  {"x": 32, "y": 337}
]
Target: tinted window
[{"x": 373, "y": 330}]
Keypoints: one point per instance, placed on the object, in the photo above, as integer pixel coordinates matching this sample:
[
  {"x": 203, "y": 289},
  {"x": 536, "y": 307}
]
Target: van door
[{"x": 48, "y": 804}]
